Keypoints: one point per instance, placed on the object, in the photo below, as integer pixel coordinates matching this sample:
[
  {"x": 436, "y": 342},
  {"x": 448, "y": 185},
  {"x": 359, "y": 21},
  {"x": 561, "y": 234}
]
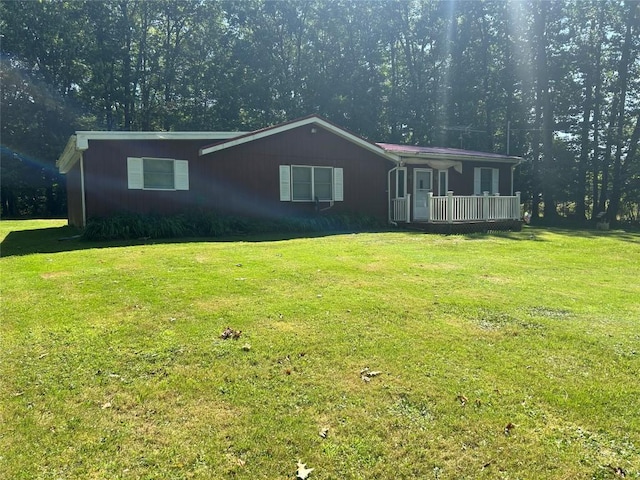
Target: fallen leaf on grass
[
  {"x": 246, "y": 347},
  {"x": 621, "y": 472},
  {"x": 324, "y": 432},
  {"x": 508, "y": 427},
  {"x": 366, "y": 374},
  {"x": 230, "y": 333},
  {"x": 462, "y": 399},
  {"x": 303, "y": 472},
  {"x": 235, "y": 461},
  {"x": 106, "y": 405}
]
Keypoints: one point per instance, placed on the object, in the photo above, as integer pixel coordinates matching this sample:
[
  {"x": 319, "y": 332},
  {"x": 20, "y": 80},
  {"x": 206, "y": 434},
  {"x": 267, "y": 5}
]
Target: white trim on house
[
  {"x": 85, "y": 135},
  {"x": 443, "y": 158},
  {"x": 135, "y": 177},
  {"x": 79, "y": 142},
  {"x": 181, "y": 174},
  {"x": 338, "y": 184},
  {"x": 285, "y": 183},
  {"x": 456, "y": 160},
  {"x": 312, "y": 120}
]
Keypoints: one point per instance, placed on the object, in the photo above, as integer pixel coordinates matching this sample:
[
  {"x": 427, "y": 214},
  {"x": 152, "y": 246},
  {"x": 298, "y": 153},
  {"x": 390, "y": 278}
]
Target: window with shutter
[
  {"x": 157, "y": 174},
  {"x": 486, "y": 180},
  {"x": 303, "y": 183}
]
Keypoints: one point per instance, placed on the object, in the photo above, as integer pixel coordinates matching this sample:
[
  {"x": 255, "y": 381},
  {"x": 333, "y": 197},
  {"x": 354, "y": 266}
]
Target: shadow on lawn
[
  {"x": 622, "y": 235},
  {"x": 66, "y": 239},
  {"x": 532, "y": 233}
]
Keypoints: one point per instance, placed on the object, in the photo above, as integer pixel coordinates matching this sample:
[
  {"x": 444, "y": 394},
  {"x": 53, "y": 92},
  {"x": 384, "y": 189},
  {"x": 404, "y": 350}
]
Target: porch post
[
  {"x": 516, "y": 212},
  {"x": 408, "y": 205},
  {"x": 485, "y": 206},
  {"x": 429, "y": 205},
  {"x": 450, "y": 206},
  {"x": 389, "y": 204}
]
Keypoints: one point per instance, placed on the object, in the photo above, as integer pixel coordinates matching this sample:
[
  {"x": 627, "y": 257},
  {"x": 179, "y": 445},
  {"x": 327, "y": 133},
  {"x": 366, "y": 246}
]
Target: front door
[{"x": 422, "y": 185}]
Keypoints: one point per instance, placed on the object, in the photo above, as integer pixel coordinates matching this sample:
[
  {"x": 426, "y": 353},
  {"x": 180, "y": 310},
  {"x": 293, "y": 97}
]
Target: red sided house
[{"x": 304, "y": 167}]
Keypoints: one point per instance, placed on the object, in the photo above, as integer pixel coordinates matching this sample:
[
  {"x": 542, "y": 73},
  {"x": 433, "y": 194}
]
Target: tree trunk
[
  {"x": 597, "y": 103},
  {"x": 126, "y": 68},
  {"x": 623, "y": 74},
  {"x": 488, "y": 95},
  {"x": 585, "y": 144},
  {"x": 548, "y": 172}
]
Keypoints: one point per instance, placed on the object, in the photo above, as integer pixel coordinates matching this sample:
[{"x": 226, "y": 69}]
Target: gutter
[
  {"x": 406, "y": 158},
  {"x": 70, "y": 155}
]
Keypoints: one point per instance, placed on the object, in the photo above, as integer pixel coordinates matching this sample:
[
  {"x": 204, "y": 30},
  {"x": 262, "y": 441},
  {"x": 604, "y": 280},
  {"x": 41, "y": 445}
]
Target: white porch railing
[
  {"x": 401, "y": 209},
  {"x": 459, "y": 209}
]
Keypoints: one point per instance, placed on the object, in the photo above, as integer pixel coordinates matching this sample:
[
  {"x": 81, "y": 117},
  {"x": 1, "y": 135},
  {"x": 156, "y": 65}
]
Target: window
[
  {"x": 307, "y": 183},
  {"x": 423, "y": 179},
  {"x": 401, "y": 182},
  {"x": 486, "y": 180},
  {"x": 302, "y": 183},
  {"x": 311, "y": 183},
  {"x": 443, "y": 182},
  {"x": 157, "y": 174},
  {"x": 486, "y": 175},
  {"x": 322, "y": 184}
]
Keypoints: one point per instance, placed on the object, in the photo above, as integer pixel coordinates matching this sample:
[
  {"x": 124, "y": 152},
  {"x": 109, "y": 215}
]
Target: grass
[{"x": 510, "y": 356}]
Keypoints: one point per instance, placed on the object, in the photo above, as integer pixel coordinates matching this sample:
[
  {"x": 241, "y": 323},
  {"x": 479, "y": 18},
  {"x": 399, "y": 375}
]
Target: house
[{"x": 303, "y": 167}]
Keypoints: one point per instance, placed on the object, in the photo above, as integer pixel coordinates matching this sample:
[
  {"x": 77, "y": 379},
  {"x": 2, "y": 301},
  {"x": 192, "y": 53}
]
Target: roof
[
  {"x": 312, "y": 120},
  {"x": 80, "y": 141},
  {"x": 402, "y": 154},
  {"x": 409, "y": 152}
]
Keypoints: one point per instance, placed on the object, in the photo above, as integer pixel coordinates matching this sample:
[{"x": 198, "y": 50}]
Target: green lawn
[{"x": 510, "y": 356}]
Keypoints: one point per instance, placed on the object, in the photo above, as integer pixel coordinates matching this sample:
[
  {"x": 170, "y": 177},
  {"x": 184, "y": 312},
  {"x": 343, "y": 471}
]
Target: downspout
[
  {"x": 389, "y": 196},
  {"x": 82, "y": 192}
]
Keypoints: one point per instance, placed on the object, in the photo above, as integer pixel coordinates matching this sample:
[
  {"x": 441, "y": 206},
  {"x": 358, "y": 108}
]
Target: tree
[
  {"x": 619, "y": 121},
  {"x": 478, "y": 74}
]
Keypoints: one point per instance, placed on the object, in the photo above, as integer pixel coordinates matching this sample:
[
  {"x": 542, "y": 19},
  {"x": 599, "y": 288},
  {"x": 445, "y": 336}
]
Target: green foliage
[
  {"x": 135, "y": 226},
  {"x": 113, "y": 365},
  {"x": 479, "y": 75}
]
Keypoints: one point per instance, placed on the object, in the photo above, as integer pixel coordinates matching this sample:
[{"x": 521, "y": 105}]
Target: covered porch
[
  {"x": 451, "y": 209},
  {"x": 422, "y": 184}
]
